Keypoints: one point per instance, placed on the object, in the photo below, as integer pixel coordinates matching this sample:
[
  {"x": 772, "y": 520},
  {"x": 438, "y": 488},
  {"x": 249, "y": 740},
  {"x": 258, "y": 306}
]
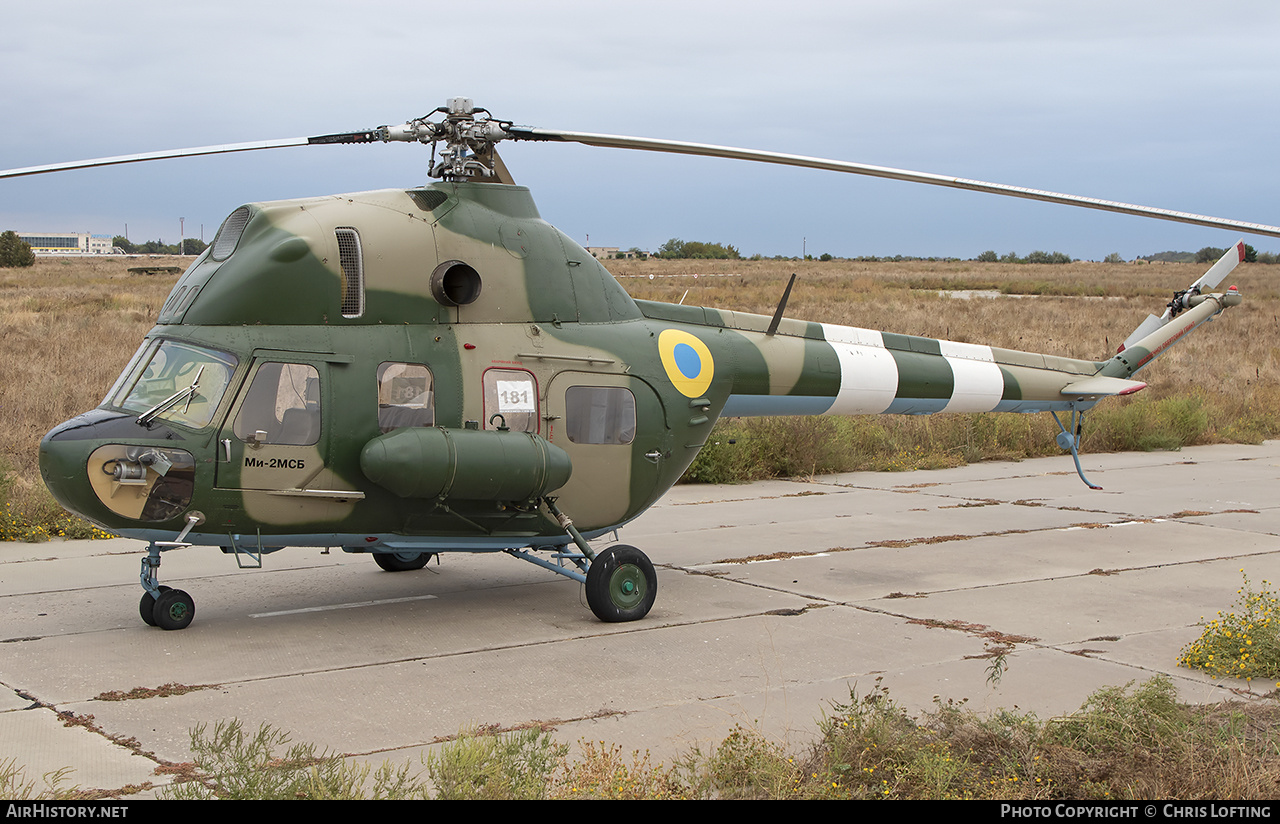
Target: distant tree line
[
  {"x": 14, "y": 251},
  {"x": 990, "y": 256},
  {"x": 1210, "y": 254},
  {"x": 677, "y": 248},
  {"x": 190, "y": 246}
]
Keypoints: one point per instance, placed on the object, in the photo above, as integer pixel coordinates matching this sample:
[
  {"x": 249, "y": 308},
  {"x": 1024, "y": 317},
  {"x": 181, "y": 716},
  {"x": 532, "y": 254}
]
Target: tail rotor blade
[{"x": 1222, "y": 268}]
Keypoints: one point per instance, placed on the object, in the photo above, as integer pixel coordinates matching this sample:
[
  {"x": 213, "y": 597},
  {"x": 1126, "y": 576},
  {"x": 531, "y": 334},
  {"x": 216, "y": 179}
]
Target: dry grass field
[{"x": 67, "y": 327}]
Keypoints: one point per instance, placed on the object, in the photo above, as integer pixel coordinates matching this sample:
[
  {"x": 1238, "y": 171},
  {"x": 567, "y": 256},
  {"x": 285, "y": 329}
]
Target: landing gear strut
[{"x": 621, "y": 582}]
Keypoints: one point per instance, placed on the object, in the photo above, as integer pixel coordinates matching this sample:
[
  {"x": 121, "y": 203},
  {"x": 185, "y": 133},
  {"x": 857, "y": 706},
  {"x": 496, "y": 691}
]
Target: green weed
[
  {"x": 489, "y": 767},
  {"x": 233, "y": 764},
  {"x": 15, "y": 786},
  {"x": 1244, "y": 642},
  {"x": 744, "y": 765}
]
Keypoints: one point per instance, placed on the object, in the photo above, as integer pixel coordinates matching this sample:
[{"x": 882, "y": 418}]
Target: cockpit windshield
[{"x": 175, "y": 381}]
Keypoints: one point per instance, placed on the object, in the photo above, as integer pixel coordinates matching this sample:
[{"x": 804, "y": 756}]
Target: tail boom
[{"x": 852, "y": 371}]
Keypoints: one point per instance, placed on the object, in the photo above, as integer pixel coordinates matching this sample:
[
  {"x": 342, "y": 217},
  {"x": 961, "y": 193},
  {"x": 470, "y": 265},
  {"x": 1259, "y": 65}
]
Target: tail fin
[
  {"x": 1156, "y": 334},
  {"x": 1180, "y": 301},
  {"x": 1152, "y": 337}
]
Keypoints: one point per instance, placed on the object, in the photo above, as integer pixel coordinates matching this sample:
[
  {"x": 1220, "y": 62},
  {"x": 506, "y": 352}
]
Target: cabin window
[
  {"x": 513, "y": 394},
  {"x": 405, "y": 396},
  {"x": 600, "y": 414},
  {"x": 282, "y": 406},
  {"x": 351, "y": 259}
]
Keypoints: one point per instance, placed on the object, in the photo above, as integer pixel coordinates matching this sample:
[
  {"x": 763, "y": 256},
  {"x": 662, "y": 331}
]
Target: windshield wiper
[{"x": 190, "y": 392}]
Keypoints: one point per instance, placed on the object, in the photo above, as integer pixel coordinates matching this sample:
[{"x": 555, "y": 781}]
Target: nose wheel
[
  {"x": 174, "y": 609},
  {"x": 162, "y": 606}
]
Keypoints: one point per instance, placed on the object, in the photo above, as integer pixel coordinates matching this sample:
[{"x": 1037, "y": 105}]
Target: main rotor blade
[
  {"x": 708, "y": 150},
  {"x": 227, "y": 148}
]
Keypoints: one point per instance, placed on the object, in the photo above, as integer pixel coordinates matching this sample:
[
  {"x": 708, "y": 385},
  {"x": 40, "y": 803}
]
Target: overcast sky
[{"x": 1167, "y": 103}]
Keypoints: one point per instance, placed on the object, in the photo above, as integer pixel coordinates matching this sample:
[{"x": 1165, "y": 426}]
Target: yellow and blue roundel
[{"x": 687, "y": 361}]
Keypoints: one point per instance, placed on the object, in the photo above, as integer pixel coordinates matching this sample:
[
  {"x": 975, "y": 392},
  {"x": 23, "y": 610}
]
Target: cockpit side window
[{"x": 282, "y": 406}]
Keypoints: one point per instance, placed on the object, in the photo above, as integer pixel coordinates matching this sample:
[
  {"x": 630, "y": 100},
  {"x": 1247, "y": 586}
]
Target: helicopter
[{"x": 410, "y": 372}]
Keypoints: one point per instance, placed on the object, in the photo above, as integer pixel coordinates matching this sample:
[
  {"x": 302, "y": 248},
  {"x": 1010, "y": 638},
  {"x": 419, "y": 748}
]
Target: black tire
[
  {"x": 402, "y": 561},
  {"x": 147, "y": 606},
  {"x": 174, "y": 610},
  {"x": 621, "y": 584}
]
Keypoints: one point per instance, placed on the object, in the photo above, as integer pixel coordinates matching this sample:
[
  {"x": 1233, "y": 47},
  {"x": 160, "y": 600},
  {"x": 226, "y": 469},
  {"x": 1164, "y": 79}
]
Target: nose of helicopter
[
  {"x": 92, "y": 470},
  {"x": 64, "y": 454}
]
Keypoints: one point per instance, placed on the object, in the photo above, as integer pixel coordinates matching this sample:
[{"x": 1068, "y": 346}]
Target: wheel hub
[{"x": 626, "y": 587}]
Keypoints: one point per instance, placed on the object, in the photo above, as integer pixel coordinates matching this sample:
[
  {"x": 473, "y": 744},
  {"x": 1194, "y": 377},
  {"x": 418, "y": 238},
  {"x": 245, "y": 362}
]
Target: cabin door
[
  {"x": 273, "y": 446},
  {"x": 614, "y": 431}
]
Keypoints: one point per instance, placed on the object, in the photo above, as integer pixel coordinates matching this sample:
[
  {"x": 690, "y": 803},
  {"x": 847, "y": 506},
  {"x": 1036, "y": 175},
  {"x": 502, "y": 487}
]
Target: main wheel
[
  {"x": 402, "y": 561},
  {"x": 147, "y": 606},
  {"x": 621, "y": 584},
  {"x": 174, "y": 610}
]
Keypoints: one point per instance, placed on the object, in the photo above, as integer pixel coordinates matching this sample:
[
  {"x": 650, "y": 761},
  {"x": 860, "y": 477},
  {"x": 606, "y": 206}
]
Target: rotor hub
[{"x": 468, "y": 133}]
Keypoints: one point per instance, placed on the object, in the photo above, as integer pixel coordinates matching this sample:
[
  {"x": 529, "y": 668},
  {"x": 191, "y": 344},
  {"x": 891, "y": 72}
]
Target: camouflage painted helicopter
[{"x": 411, "y": 372}]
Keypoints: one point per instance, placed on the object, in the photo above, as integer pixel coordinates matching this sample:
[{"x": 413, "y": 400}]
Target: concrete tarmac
[{"x": 775, "y": 600}]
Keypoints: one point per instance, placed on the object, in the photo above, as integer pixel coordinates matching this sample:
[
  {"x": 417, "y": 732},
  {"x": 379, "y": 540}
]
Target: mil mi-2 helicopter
[{"x": 416, "y": 371}]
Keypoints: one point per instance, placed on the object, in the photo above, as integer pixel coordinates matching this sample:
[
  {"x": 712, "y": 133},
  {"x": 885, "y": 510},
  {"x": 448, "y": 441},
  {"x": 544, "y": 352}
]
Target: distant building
[
  {"x": 66, "y": 243},
  {"x": 610, "y": 253}
]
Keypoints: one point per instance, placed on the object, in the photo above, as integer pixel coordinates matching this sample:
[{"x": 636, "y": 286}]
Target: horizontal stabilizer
[{"x": 1100, "y": 385}]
